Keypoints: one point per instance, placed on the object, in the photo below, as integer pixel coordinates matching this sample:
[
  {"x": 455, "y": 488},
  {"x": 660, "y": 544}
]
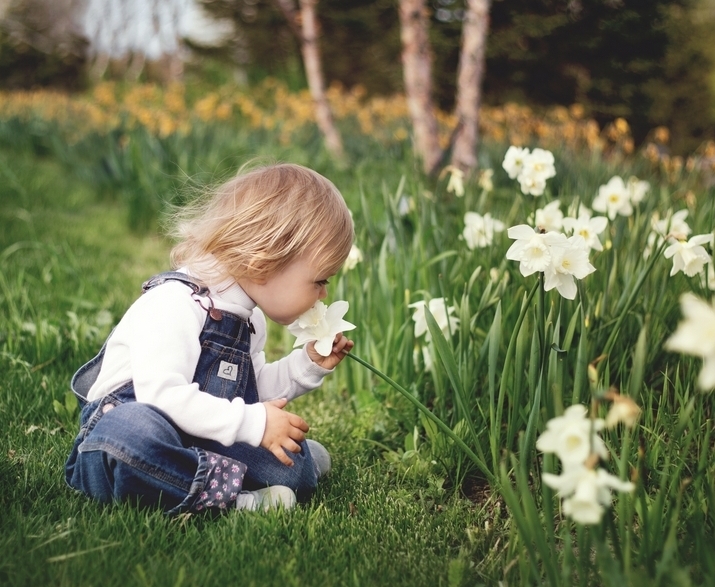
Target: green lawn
[{"x": 66, "y": 258}]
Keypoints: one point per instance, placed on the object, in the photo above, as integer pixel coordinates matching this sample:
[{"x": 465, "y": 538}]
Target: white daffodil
[
  {"x": 623, "y": 410},
  {"x": 514, "y": 161},
  {"x": 479, "y": 230},
  {"x": 696, "y": 336},
  {"x": 568, "y": 261},
  {"x": 531, "y": 185},
  {"x": 426, "y": 355},
  {"x": 354, "y": 257},
  {"x": 690, "y": 256},
  {"x": 588, "y": 228},
  {"x": 441, "y": 313},
  {"x": 405, "y": 205},
  {"x": 530, "y": 169},
  {"x": 550, "y": 217},
  {"x": 637, "y": 189},
  {"x": 539, "y": 162},
  {"x": 577, "y": 210},
  {"x": 321, "y": 323},
  {"x": 613, "y": 198},
  {"x": 673, "y": 226},
  {"x": 585, "y": 492},
  {"x": 572, "y": 437},
  {"x": 485, "y": 180},
  {"x": 531, "y": 248},
  {"x": 456, "y": 180}
]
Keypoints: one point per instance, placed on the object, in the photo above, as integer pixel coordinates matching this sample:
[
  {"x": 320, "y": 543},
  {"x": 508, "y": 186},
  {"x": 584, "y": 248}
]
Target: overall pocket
[{"x": 223, "y": 371}]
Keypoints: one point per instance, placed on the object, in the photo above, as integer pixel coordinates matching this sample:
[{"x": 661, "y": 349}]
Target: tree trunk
[
  {"x": 307, "y": 34},
  {"x": 469, "y": 84},
  {"x": 314, "y": 73},
  {"x": 417, "y": 72}
]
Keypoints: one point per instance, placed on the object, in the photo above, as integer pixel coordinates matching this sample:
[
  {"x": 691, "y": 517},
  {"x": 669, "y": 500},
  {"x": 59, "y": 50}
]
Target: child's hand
[
  {"x": 283, "y": 431},
  {"x": 341, "y": 346}
]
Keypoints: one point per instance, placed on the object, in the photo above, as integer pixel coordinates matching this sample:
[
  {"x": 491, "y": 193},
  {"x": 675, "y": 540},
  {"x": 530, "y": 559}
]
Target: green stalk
[
  {"x": 631, "y": 298},
  {"x": 440, "y": 424}
]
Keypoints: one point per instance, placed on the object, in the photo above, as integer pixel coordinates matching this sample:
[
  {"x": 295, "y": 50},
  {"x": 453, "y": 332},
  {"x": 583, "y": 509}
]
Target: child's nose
[{"x": 323, "y": 292}]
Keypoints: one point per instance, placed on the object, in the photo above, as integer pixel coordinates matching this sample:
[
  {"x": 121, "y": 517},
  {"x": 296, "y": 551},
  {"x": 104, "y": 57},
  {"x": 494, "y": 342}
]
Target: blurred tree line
[{"x": 651, "y": 62}]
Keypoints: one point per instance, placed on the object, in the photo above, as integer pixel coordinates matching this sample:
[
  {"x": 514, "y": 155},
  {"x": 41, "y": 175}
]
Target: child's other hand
[
  {"x": 341, "y": 346},
  {"x": 283, "y": 431}
]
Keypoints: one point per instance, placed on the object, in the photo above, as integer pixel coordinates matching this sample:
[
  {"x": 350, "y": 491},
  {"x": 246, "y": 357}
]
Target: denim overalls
[{"x": 131, "y": 450}]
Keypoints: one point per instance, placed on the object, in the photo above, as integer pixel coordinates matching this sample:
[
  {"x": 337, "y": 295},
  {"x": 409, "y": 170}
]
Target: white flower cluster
[
  {"x": 546, "y": 249},
  {"x": 696, "y": 336},
  {"x": 617, "y": 197},
  {"x": 689, "y": 254},
  {"x": 558, "y": 257},
  {"x": 584, "y": 488},
  {"x": 530, "y": 169}
]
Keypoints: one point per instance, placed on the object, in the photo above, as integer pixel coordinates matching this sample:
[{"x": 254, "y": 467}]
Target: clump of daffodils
[
  {"x": 321, "y": 324},
  {"x": 584, "y": 487},
  {"x": 530, "y": 168},
  {"x": 560, "y": 258},
  {"x": 618, "y": 197},
  {"x": 689, "y": 254},
  {"x": 673, "y": 227}
]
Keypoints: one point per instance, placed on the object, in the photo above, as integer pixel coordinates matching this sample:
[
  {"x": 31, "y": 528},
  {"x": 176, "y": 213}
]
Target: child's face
[{"x": 287, "y": 294}]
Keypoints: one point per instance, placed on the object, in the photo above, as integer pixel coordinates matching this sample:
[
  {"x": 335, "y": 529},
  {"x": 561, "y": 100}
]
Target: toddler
[{"x": 180, "y": 408}]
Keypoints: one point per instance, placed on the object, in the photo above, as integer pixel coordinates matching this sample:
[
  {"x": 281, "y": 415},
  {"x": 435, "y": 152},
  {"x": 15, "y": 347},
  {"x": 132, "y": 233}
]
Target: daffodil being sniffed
[{"x": 321, "y": 324}]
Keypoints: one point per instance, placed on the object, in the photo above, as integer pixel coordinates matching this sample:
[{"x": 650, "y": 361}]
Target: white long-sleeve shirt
[{"x": 156, "y": 346}]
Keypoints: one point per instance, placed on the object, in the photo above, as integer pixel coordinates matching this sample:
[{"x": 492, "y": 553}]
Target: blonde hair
[{"x": 257, "y": 223}]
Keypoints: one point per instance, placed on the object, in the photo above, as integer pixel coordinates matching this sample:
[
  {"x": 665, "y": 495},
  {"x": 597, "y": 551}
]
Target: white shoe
[
  {"x": 321, "y": 458},
  {"x": 269, "y": 498}
]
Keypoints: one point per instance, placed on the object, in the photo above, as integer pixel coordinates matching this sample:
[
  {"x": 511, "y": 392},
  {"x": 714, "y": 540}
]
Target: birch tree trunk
[
  {"x": 469, "y": 84},
  {"x": 307, "y": 34},
  {"x": 417, "y": 72}
]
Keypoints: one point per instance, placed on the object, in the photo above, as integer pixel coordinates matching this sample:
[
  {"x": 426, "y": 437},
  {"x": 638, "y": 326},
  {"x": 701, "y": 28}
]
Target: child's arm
[
  {"x": 283, "y": 431},
  {"x": 288, "y": 377}
]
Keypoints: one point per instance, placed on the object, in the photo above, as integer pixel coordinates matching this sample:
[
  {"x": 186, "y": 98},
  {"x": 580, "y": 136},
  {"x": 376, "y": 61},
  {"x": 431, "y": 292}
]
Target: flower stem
[{"x": 440, "y": 424}]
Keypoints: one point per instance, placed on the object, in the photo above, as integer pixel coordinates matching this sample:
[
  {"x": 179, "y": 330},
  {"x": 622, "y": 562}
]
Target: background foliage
[{"x": 651, "y": 62}]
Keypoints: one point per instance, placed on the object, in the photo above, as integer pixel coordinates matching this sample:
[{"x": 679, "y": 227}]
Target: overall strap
[{"x": 174, "y": 276}]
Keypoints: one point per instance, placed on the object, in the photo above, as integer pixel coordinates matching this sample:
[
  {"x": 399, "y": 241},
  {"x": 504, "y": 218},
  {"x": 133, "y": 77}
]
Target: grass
[
  {"x": 405, "y": 504},
  {"x": 371, "y": 522}
]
